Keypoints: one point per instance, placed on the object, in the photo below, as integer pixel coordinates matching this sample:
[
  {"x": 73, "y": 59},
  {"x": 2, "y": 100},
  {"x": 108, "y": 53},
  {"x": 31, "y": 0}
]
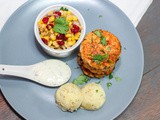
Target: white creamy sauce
[{"x": 52, "y": 72}]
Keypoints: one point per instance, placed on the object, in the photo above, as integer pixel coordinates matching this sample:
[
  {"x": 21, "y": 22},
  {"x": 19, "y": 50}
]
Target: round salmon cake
[{"x": 99, "y": 52}]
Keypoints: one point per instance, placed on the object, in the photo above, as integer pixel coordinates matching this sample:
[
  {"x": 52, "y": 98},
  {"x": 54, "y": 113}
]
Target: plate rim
[{"x": 142, "y": 60}]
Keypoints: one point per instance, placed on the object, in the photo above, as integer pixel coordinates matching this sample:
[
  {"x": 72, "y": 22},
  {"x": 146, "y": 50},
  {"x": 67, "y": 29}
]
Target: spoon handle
[{"x": 20, "y": 71}]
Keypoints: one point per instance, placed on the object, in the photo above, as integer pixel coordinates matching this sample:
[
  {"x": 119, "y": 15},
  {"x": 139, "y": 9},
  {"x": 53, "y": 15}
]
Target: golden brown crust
[{"x": 91, "y": 46}]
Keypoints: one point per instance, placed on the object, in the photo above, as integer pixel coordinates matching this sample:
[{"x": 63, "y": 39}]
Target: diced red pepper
[
  {"x": 50, "y": 26},
  {"x": 57, "y": 14},
  {"x": 60, "y": 43},
  {"x": 45, "y": 20},
  {"x": 61, "y": 37},
  {"x": 75, "y": 29},
  {"x": 45, "y": 41}
]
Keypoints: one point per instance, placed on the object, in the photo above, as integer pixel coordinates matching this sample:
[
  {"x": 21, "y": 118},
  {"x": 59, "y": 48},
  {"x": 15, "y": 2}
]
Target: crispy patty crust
[{"x": 99, "y": 52}]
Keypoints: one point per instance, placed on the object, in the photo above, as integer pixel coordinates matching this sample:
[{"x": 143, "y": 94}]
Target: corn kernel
[
  {"x": 50, "y": 43},
  {"x": 77, "y": 34},
  {"x": 76, "y": 38},
  {"x": 56, "y": 34},
  {"x": 51, "y": 31},
  {"x": 53, "y": 37},
  {"x": 41, "y": 36},
  {"x": 70, "y": 24},
  {"x": 68, "y": 35},
  {"x": 74, "y": 18},
  {"x": 73, "y": 38},
  {"x": 51, "y": 19},
  {"x": 68, "y": 12},
  {"x": 46, "y": 37},
  {"x": 73, "y": 42},
  {"x": 43, "y": 26},
  {"x": 64, "y": 13},
  {"x": 40, "y": 22},
  {"x": 69, "y": 39},
  {"x": 69, "y": 18}
]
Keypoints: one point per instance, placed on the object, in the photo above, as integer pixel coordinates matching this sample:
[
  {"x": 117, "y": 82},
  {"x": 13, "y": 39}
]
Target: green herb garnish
[
  {"x": 92, "y": 39},
  {"x": 98, "y": 82},
  {"x": 109, "y": 84},
  {"x": 77, "y": 68},
  {"x": 125, "y": 48},
  {"x": 97, "y": 32},
  {"x": 118, "y": 79},
  {"x": 103, "y": 41},
  {"x": 64, "y": 9},
  {"x": 110, "y": 76},
  {"x": 97, "y": 58},
  {"x": 100, "y": 16},
  {"x": 102, "y": 38},
  {"x": 96, "y": 91},
  {"x": 109, "y": 48},
  {"x": 82, "y": 79},
  {"x": 61, "y": 20},
  {"x": 61, "y": 25},
  {"x": 110, "y": 61}
]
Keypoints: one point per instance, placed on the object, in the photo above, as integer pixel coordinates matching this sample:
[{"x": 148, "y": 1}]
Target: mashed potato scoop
[
  {"x": 69, "y": 97},
  {"x": 93, "y": 96}
]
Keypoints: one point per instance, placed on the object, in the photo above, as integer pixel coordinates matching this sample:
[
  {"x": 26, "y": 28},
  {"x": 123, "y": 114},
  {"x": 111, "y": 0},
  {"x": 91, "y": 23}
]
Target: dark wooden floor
[{"x": 146, "y": 105}]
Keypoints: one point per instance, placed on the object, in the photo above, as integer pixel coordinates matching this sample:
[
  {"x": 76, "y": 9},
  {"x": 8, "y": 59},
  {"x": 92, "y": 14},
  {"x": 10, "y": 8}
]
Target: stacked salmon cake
[{"x": 99, "y": 52}]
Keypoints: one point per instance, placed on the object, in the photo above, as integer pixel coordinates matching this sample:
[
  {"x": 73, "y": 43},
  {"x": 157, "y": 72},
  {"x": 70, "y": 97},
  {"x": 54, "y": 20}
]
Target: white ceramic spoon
[{"x": 50, "y": 73}]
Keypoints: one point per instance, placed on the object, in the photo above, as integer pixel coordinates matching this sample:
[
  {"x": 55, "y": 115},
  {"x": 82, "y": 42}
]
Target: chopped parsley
[
  {"x": 109, "y": 48},
  {"x": 98, "y": 58},
  {"x": 97, "y": 32},
  {"x": 118, "y": 79},
  {"x": 80, "y": 80},
  {"x": 100, "y": 16},
  {"x": 110, "y": 61},
  {"x": 109, "y": 84},
  {"x": 103, "y": 41},
  {"x": 102, "y": 38},
  {"x": 98, "y": 82},
  {"x": 92, "y": 39},
  {"x": 64, "y": 9},
  {"x": 61, "y": 25},
  {"x": 77, "y": 68},
  {"x": 110, "y": 76},
  {"x": 96, "y": 91}
]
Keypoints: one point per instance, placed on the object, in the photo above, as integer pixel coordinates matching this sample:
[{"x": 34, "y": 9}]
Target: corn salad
[{"x": 59, "y": 29}]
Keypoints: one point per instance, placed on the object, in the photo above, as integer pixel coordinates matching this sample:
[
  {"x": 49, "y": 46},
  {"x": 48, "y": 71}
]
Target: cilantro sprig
[
  {"x": 61, "y": 25},
  {"x": 102, "y": 38},
  {"x": 97, "y": 32},
  {"x": 81, "y": 80},
  {"x": 98, "y": 58},
  {"x": 109, "y": 84},
  {"x": 64, "y": 9},
  {"x": 110, "y": 76}
]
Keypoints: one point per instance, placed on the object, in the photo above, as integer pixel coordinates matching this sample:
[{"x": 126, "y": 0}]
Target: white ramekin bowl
[{"x": 51, "y": 51}]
